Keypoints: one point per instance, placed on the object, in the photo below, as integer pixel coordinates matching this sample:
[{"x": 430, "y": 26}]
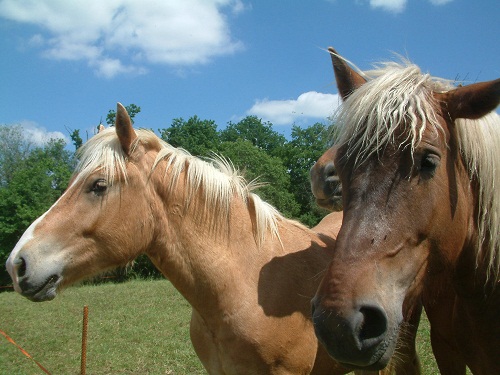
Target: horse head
[
  {"x": 408, "y": 202},
  {"x": 90, "y": 228}
]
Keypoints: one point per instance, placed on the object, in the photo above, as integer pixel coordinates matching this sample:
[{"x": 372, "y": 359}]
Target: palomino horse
[
  {"x": 419, "y": 164},
  {"x": 247, "y": 272}
]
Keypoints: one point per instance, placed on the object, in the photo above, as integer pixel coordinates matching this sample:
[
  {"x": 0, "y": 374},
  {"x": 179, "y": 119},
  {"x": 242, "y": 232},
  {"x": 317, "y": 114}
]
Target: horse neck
[
  {"x": 470, "y": 275},
  {"x": 226, "y": 272},
  {"x": 207, "y": 265},
  {"x": 469, "y": 271}
]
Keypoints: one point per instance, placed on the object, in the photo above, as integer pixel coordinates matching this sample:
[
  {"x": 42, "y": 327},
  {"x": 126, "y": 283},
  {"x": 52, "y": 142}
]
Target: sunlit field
[{"x": 137, "y": 327}]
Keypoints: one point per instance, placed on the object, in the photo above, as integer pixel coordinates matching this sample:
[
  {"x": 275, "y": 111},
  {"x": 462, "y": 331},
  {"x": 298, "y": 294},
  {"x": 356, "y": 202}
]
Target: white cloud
[
  {"x": 120, "y": 36},
  {"x": 398, "y": 6},
  {"x": 36, "y": 41},
  {"x": 440, "y": 2},
  {"x": 308, "y": 105},
  {"x": 38, "y": 135},
  {"x": 109, "y": 68},
  {"x": 394, "y": 6}
]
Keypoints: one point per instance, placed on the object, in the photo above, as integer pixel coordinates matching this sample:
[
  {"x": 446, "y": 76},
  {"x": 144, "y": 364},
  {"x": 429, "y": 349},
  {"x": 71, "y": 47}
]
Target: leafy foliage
[
  {"x": 252, "y": 129},
  {"x": 76, "y": 139},
  {"x": 255, "y": 163},
  {"x": 13, "y": 150},
  {"x": 199, "y": 137},
  {"x": 38, "y": 179},
  {"x": 132, "y": 110},
  {"x": 299, "y": 155}
]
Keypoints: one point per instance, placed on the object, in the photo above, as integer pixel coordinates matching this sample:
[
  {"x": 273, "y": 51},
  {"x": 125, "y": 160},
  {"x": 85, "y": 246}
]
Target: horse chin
[
  {"x": 332, "y": 203},
  {"x": 378, "y": 361},
  {"x": 40, "y": 292},
  {"x": 374, "y": 367}
]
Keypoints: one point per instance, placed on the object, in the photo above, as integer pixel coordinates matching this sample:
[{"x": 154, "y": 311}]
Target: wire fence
[{"x": 83, "y": 364}]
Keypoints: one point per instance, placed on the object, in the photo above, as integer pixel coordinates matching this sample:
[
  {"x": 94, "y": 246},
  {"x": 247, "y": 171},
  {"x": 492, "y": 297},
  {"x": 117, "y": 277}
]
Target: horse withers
[{"x": 418, "y": 160}]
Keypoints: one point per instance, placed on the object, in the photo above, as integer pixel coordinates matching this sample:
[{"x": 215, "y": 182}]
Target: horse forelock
[
  {"x": 102, "y": 152},
  {"x": 216, "y": 178},
  {"x": 397, "y": 95}
]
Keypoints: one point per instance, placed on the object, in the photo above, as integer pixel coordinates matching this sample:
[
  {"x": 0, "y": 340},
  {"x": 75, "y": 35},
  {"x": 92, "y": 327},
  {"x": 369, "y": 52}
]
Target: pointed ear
[
  {"x": 123, "y": 124},
  {"x": 347, "y": 78},
  {"x": 471, "y": 101}
]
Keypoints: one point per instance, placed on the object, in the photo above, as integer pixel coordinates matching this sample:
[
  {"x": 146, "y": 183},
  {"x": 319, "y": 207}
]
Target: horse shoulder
[{"x": 328, "y": 228}]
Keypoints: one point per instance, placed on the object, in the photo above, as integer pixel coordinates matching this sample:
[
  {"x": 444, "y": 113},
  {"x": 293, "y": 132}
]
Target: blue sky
[{"x": 65, "y": 64}]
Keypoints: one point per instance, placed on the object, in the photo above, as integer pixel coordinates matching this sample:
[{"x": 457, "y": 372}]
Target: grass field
[{"x": 137, "y": 327}]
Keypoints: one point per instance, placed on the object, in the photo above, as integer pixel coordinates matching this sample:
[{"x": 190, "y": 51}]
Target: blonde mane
[
  {"x": 215, "y": 178},
  {"x": 397, "y": 95},
  {"x": 394, "y": 95},
  {"x": 479, "y": 141}
]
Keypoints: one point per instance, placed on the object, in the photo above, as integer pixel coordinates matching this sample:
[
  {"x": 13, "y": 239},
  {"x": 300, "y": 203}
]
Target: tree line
[{"x": 33, "y": 177}]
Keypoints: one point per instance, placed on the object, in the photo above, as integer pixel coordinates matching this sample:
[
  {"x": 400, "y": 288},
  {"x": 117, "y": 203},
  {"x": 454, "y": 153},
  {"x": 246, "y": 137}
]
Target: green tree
[
  {"x": 76, "y": 139},
  {"x": 299, "y": 155},
  {"x": 132, "y": 110},
  {"x": 260, "y": 134},
  {"x": 38, "y": 180},
  {"x": 256, "y": 163},
  {"x": 197, "y": 136},
  {"x": 14, "y": 148}
]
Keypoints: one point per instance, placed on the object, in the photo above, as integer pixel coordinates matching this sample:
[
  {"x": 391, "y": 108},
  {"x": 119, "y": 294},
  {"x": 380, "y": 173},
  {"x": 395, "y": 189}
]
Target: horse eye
[
  {"x": 429, "y": 163},
  {"x": 99, "y": 186}
]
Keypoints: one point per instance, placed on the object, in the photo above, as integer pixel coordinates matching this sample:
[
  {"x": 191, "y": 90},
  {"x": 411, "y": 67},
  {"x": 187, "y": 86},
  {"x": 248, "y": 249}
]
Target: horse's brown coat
[{"x": 412, "y": 205}]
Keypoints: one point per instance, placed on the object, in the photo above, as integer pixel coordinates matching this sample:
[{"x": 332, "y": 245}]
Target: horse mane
[
  {"x": 479, "y": 141},
  {"x": 399, "y": 94},
  {"x": 215, "y": 178}
]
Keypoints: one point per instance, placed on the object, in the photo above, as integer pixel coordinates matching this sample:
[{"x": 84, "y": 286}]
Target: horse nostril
[
  {"x": 329, "y": 171},
  {"x": 21, "y": 267},
  {"x": 374, "y": 323}
]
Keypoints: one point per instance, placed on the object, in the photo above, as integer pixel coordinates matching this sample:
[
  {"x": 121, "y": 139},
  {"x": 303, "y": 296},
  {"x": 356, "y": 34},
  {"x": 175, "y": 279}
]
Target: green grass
[{"x": 138, "y": 327}]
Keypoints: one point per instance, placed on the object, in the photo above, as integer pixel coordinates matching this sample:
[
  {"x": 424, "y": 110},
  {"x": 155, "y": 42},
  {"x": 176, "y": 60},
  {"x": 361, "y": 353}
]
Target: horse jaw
[{"x": 39, "y": 283}]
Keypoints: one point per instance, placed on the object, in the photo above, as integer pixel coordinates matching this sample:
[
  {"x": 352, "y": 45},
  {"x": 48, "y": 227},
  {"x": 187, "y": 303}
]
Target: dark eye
[
  {"x": 429, "y": 163},
  {"x": 99, "y": 187}
]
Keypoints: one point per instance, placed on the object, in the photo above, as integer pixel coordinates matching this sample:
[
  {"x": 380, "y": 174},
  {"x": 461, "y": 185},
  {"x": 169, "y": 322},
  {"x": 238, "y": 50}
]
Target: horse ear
[
  {"x": 347, "y": 78},
  {"x": 471, "y": 101},
  {"x": 124, "y": 129}
]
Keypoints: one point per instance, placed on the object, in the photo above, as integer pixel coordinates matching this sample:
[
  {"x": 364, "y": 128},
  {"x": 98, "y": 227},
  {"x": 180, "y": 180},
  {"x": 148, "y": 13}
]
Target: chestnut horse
[
  {"x": 247, "y": 272},
  {"x": 325, "y": 181},
  {"x": 419, "y": 164},
  {"x": 327, "y": 190}
]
